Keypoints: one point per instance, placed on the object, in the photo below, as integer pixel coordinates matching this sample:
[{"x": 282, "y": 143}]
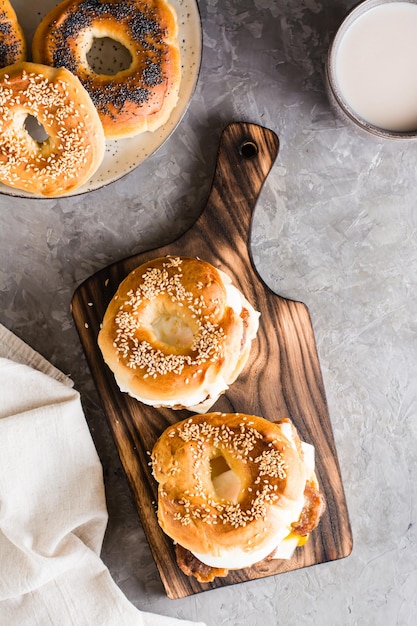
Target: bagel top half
[{"x": 177, "y": 333}]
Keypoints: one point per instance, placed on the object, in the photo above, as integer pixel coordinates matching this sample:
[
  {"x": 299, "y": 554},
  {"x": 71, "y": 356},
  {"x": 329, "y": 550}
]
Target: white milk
[{"x": 376, "y": 66}]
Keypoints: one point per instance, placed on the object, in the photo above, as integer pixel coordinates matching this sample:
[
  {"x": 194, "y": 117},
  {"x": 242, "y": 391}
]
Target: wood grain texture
[{"x": 282, "y": 377}]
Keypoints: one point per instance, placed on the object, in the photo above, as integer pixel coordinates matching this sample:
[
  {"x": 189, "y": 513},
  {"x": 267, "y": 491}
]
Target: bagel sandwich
[
  {"x": 234, "y": 490},
  {"x": 177, "y": 333}
]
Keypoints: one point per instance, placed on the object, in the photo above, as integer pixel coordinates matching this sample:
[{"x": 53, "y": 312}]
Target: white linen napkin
[{"x": 52, "y": 504}]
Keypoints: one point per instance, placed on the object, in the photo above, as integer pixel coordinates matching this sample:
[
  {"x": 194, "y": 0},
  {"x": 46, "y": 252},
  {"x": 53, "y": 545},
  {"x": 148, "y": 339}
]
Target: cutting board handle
[{"x": 245, "y": 157}]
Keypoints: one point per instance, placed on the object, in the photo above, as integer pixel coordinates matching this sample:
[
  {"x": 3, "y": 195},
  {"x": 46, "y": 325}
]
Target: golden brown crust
[
  {"x": 12, "y": 39},
  {"x": 75, "y": 145},
  {"x": 169, "y": 334},
  {"x": 271, "y": 472},
  {"x": 133, "y": 100}
]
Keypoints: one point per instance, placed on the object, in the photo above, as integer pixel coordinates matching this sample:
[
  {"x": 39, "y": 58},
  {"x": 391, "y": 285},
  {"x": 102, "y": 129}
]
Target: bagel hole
[
  {"x": 108, "y": 56},
  {"x": 226, "y": 482},
  {"x": 173, "y": 331},
  {"x": 35, "y": 129}
]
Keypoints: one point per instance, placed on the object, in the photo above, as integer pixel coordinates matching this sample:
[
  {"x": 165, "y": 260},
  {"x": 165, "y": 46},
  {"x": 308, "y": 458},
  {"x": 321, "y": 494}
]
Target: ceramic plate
[{"x": 124, "y": 155}]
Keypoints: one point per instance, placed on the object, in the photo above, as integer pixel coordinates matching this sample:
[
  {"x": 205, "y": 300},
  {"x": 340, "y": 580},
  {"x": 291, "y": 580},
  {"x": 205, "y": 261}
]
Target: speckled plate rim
[{"x": 125, "y": 155}]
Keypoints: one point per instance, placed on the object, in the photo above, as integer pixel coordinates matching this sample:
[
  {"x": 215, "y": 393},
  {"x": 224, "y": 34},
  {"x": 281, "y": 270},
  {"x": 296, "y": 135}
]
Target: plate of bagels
[{"x": 90, "y": 89}]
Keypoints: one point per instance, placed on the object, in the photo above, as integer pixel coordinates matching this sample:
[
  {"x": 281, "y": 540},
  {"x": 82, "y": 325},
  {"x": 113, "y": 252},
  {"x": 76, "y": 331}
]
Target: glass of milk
[{"x": 371, "y": 70}]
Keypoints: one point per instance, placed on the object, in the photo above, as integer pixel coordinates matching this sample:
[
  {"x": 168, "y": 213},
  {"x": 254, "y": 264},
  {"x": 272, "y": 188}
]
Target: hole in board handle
[{"x": 248, "y": 149}]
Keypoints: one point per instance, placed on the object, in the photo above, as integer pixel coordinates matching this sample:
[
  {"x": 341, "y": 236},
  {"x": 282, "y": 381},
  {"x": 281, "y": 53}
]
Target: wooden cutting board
[{"x": 282, "y": 377}]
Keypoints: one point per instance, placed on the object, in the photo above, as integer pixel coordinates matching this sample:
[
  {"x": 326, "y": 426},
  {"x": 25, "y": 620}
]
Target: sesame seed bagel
[
  {"x": 135, "y": 99},
  {"x": 12, "y": 39},
  {"x": 177, "y": 333},
  {"x": 231, "y": 486},
  {"x": 74, "y": 147}
]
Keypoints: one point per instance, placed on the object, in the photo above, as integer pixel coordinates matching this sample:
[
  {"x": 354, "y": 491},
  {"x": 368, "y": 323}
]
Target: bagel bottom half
[{"x": 234, "y": 489}]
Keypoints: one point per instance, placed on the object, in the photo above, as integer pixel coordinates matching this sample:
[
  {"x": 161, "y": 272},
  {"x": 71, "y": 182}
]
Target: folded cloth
[{"x": 52, "y": 504}]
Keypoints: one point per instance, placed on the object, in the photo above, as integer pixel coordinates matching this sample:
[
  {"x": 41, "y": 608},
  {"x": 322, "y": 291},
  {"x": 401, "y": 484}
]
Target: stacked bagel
[
  {"x": 234, "y": 490},
  {"x": 177, "y": 333},
  {"x": 78, "y": 107}
]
